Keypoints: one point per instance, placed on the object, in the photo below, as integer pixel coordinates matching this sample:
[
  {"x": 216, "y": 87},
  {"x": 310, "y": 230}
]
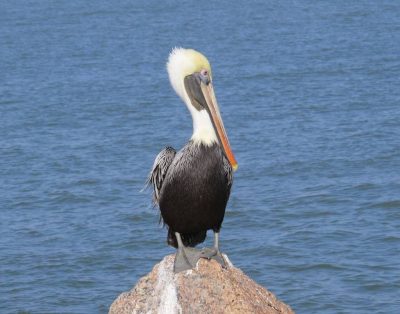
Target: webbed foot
[
  {"x": 186, "y": 258},
  {"x": 213, "y": 253}
]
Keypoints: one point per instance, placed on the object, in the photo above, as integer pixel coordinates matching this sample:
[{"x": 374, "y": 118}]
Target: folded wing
[{"x": 159, "y": 171}]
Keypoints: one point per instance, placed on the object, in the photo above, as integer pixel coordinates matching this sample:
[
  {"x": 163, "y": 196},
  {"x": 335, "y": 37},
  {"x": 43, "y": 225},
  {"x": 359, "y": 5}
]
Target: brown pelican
[{"x": 192, "y": 186}]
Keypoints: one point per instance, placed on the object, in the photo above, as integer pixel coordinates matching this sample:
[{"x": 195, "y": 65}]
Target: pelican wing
[{"x": 159, "y": 171}]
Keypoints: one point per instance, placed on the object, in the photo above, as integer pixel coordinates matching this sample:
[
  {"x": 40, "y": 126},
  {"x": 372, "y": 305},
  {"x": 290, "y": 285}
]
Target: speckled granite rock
[{"x": 207, "y": 289}]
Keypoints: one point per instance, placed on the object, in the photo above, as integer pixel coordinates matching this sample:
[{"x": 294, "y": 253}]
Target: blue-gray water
[{"x": 309, "y": 93}]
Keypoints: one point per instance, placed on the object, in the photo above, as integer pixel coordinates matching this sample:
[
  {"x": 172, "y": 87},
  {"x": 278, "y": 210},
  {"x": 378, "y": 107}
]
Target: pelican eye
[{"x": 204, "y": 76}]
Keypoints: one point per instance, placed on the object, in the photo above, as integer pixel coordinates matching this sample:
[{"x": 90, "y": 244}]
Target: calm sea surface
[{"x": 309, "y": 93}]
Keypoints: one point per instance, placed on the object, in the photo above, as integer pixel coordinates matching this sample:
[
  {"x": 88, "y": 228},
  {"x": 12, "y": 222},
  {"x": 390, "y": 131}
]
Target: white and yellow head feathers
[{"x": 183, "y": 62}]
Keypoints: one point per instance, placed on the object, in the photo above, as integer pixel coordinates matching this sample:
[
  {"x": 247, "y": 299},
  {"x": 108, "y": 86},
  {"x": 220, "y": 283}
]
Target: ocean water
[{"x": 309, "y": 93}]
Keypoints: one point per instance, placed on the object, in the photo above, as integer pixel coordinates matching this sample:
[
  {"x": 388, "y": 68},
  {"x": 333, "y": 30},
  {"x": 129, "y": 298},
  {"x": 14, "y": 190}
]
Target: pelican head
[{"x": 190, "y": 76}]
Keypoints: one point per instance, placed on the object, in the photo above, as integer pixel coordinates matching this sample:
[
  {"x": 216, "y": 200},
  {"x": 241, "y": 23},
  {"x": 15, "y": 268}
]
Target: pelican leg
[
  {"x": 214, "y": 252},
  {"x": 186, "y": 257}
]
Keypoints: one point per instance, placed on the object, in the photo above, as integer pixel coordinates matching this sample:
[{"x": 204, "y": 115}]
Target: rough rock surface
[{"x": 209, "y": 288}]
